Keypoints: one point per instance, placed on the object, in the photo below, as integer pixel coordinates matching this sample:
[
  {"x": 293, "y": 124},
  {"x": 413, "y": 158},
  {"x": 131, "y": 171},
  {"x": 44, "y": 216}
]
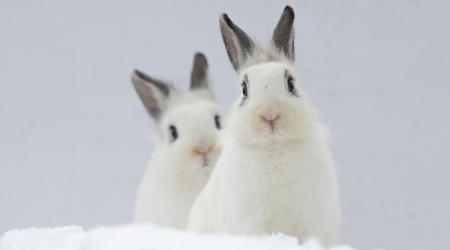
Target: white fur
[
  {"x": 267, "y": 182},
  {"x": 176, "y": 175}
]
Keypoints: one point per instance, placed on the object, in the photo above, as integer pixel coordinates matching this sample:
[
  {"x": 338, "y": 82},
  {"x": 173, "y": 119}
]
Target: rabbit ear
[
  {"x": 199, "y": 74},
  {"x": 283, "y": 35},
  {"x": 153, "y": 93},
  {"x": 237, "y": 43}
]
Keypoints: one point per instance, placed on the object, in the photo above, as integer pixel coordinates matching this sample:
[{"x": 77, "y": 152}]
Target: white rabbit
[
  {"x": 275, "y": 173},
  {"x": 187, "y": 125}
]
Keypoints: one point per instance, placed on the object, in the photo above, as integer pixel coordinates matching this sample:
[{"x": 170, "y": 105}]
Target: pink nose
[
  {"x": 269, "y": 112},
  {"x": 202, "y": 147}
]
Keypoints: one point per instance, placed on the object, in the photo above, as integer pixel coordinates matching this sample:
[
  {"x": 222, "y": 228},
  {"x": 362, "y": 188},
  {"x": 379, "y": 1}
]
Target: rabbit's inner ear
[
  {"x": 237, "y": 43},
  {"x": 283, "y": 35},
  {"x": 153, "y": 93},
  {"x": 199, "y": 74}
]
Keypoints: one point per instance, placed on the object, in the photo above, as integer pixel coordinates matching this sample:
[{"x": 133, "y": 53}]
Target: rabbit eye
[
  {"x": 217, "y": 120},
  {"x": 290, "y": 84},
  {"x": 173, "y": 133},
  {"x": 244, "y": 89}
]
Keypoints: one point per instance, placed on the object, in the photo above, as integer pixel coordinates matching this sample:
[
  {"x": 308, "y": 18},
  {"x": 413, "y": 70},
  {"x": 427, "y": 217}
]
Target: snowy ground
[
  {"x": 130, "y": 237},
  {"x": 74, "y": 137}
]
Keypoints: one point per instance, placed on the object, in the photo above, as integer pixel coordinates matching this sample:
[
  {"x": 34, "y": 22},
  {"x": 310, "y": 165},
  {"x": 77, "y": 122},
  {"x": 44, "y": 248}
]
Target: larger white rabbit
[
  {"x": 275, "y": 173},
  {"x": 187, "y": 126}
]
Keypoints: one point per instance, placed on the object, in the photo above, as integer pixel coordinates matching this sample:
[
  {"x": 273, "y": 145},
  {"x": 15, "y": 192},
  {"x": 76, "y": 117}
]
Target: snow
[{"x": 144, "y": 237}]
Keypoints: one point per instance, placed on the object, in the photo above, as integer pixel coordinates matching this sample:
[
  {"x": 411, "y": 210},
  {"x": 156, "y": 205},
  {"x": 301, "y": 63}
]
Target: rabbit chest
[{"x": 286, "y": 190}]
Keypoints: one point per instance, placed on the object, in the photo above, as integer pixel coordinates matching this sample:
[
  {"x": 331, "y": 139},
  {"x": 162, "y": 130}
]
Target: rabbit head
[
  {"x": 187, "y": 123},
  {"x": 271, "y": 109}
]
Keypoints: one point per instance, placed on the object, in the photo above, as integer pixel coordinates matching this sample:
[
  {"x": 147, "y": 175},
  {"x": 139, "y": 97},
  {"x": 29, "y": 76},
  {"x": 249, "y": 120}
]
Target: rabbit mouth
[
  {"x": 205, "y": 161},
  {"x": 271, "y": 127}
]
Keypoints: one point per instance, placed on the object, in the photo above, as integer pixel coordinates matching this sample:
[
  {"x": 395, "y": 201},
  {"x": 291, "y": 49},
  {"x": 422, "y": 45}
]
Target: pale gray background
[{"x": 74, "y": 137}]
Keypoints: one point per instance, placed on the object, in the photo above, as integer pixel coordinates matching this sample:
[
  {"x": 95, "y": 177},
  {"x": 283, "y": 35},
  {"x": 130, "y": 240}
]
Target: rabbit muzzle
[
  {"x": 203, "y": 149},
  {"x": 269, "y": 113}
]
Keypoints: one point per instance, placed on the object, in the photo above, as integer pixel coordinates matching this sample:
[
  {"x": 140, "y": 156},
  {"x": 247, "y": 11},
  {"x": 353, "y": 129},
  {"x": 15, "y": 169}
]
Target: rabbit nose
[
  {"x": 202, "y": 147},
  {"x": 269, "y": 112}
]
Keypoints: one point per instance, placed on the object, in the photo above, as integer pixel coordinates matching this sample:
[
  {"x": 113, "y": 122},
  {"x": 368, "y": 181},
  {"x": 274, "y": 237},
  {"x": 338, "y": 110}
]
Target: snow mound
[{"x": 140, "y": 237}]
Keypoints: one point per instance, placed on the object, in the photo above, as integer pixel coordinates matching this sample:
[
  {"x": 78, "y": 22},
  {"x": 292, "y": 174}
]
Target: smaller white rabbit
[
  {"x": 275, "y": 173},
  {"x": 187, "y": 126}
]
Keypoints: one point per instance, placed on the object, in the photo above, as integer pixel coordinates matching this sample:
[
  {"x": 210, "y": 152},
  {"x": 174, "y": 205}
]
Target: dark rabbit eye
[
  {"x": 291, "y": 85},
  {"x": 244, "y": 89},
  {"x": 217, "y": 120},
  {"x": 173, "y": 133}
]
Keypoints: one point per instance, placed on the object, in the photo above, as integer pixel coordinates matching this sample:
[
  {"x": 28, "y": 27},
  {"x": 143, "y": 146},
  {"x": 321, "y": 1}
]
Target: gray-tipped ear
[
  {"x": 283, "y": 35},
  {"x": 238, "y": 44},
  {"x": 153, "y": 93},
  {"x": 199, "y": 74}
]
